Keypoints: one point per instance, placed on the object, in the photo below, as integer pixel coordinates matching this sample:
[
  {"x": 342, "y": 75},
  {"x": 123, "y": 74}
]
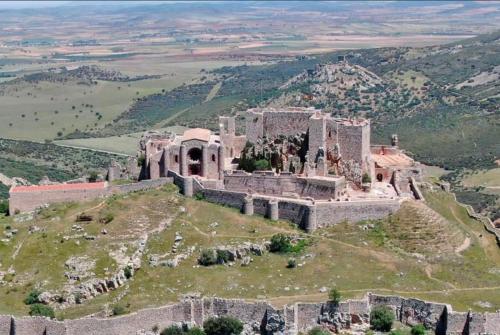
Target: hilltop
[{"x": 148, "y": 244}]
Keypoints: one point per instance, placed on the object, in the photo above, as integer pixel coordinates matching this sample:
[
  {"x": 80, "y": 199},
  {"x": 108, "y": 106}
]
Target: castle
[
  {"x": 297, "y": 164},
  {"x": 305, "y": 145}
]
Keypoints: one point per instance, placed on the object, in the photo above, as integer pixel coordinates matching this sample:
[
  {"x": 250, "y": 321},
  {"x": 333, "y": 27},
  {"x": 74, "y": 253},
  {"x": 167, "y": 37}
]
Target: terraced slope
[{"x": 417, "y": 228}]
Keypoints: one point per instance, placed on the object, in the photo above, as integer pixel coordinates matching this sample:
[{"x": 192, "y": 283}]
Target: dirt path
[{"x": 465, "y": 244}]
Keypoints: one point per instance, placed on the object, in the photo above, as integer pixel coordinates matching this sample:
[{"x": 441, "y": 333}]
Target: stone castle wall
[
  {"x": 274, "y": 123},
  {"x": 330, "y": 213},
  {"x": 306, "y": 214},
  {"x": 29, "y": 201},
  {"x": 284, "y": 184},
  {"x": 291, "y": 319}
]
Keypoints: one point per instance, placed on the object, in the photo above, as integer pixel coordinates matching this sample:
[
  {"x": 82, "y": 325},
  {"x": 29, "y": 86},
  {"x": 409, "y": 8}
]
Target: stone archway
[{"x": 194, "y": 157}]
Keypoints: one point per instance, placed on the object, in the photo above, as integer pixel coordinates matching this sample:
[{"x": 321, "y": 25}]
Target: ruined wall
[
  {"x": 354, "y": 142},
  {"x": 284, "y": 184},
  {"x": 330, "y": 213},
  {"x": 298, "y": 317},
  {"x": 29, "y": 201},
  {"x": 140, "y": 186}
]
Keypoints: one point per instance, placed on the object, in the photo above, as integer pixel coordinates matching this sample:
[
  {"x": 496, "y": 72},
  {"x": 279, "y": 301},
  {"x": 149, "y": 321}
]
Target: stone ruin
[{"x": 259, "y": 317}]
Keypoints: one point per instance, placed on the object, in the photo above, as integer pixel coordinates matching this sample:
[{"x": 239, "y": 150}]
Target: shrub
[
  {"x": 195, "y": 331},
  {"x": 119, "y": 310},
  {"x": 172, "y": 330},
  {"x": 207, "y": 257},
  {"x": 107, "y": 218},
  {"x": 93, "y": 176},
  {"x": 396, "y": 332},
  {"x": 262, "y": 164},
  {"x": 280, "y": 243},
  {"x": 4, "y": 207},
  {"x": 381, "y": 318},
  {"x": 318, "y": 331},
  {"x": 418, "y": 330},
  {"x": 292, "y": 263},
  {"x": 222, "y": 256},
  {"x": 366, "y": 178},
  {"x": 32, "y": 297},
  {"x": 199, "y": 196},
  {"x": 224, "y": 325},
  {"x": 127, "y": 272},
  {"x": 334, "y": 295},
  {"x": 42, "y": 310}
]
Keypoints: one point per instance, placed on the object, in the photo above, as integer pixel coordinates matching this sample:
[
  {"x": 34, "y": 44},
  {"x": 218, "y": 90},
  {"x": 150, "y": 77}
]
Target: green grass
[{"x": 345, "y": 256}]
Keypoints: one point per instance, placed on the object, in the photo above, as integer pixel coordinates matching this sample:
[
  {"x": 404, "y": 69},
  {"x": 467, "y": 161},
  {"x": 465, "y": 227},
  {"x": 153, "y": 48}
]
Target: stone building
[
  {"x": 197, "y": 152},
  {"x": 313, "y": 155}
]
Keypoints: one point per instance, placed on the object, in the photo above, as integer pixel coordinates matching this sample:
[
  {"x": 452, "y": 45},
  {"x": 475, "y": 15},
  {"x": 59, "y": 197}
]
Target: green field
[
  {"x": 355, "y": 260},
  {"x": 45, "y": 110}
]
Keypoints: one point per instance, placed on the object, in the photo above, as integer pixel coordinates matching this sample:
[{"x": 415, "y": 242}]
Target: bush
[
  {"x": 93, "y": 175},
  {"x": 207, "y": 257},
  {"x": 222, "y": 256},
  {"x": 262, "y": 164},
  {"x": 107, "y": 218},
  {"x": 224, "y": 325},
  {"x": 418, "y": 330},
  {"x": 334, "y": 295},
  {"x": 396, "y": 332},
  {"x": 381, "y": 318},
  {"x": 280, "y": 243},
  {"x": 199, "y": 196},
  {"x": 127, "y": 272},
  {"x": 195, "y": 331},
  {"x": 32, "y": 297},
  {"x": 172, "y": 330},
  {"x": 366, "y": 178},
  {"x": 119, "y": 310},
  {"x": 4, "y": 207},
  {"x": 318, "y": 331},
  {"x": 42, "y": 310},
  {"x": 292, "y": 263}
]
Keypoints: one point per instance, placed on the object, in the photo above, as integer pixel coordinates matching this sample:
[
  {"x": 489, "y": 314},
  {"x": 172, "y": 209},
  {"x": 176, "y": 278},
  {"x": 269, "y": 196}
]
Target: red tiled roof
[{"x": 59, "y": 187}]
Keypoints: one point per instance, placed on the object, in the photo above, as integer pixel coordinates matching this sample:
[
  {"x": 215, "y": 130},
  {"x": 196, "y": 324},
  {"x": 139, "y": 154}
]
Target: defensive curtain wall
[
  {"x": 307, "y": 214},
  {"x": 291, "y": 319},
  {"x": 29, "y": 198}
]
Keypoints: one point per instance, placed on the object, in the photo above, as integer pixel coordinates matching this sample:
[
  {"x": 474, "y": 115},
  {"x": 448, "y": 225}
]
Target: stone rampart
[
  {"x": 283, "y": 185},
  {"x": 305, "y": 214},
  {"x": 333, "y": 212},
  {"x": 29, "y": 201},
  {"x": 291, "y": 319},
  {"x": 142, "y": 185}
]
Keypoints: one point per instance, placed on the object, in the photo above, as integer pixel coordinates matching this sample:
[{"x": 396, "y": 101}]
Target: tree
[
  {"x": 318, "y": 331},
  {"x": 262, "y": 164},
  {"x": 334, "y": 295},
  {"x": 195, "y": 331},
  {"x": 418, "y": 330},
  {"x": 32, "y": 297},
  {"x": 207, "y": 257},
  {"x": 381, "y": 318},
  {"x": 172, "y": 330},
  {"x": 280, "y": 243},
  {"x": 4, "y": 207},
  {"x": 93, "y": 175},
  {"x": 224, "y": 325},
  {"x": 366, "y": 178},
  {"x": 42, "y": 310}
]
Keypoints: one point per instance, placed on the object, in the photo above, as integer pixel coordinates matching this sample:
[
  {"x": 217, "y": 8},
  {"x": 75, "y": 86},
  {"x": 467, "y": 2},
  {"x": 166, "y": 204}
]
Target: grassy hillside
[{"x": 355, "y": 257}]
